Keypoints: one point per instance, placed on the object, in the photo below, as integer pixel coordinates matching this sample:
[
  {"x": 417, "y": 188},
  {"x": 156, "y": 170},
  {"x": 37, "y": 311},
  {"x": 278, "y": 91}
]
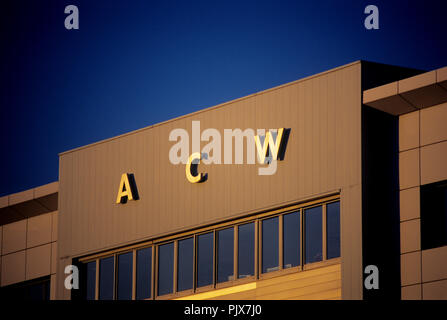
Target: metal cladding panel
[{"x": 323, "y": 155}]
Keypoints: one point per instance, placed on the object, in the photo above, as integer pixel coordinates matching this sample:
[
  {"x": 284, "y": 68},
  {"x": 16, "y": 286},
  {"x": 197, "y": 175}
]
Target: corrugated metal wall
[{"x": 322, "y": 155}]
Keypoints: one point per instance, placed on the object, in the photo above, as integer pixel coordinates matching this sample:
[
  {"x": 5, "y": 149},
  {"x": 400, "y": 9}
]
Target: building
[{"x": 354, "y": 188}]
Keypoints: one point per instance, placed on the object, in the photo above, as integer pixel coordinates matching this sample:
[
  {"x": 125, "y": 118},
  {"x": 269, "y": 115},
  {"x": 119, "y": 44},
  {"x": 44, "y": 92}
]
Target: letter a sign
[{"x": 124, "y": 190}]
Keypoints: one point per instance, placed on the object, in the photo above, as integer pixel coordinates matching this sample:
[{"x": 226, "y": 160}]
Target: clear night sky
[{"x": 135, "y": 63}]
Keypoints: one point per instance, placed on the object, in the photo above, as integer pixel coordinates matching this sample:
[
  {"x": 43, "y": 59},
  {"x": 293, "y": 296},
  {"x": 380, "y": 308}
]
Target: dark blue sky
[{"x": 135, "y": 63}]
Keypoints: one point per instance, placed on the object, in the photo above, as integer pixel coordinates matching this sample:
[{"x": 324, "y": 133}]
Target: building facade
[{"x": 348, "y": 204}]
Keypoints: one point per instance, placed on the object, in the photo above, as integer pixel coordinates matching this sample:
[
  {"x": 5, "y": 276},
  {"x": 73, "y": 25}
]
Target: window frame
[
  {"x": 227, "y": 283},
  {"x": 134, "y": 277},
  {"x": 157, "y": 264},
  {"x": 255, "y": 218},
  {"x": 187, "y": 291},
  {"x": 213, "y": 282}
]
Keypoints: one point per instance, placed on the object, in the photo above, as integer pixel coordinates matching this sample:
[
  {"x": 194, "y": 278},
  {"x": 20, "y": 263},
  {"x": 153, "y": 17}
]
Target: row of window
[{"x": 283, "y": 241}]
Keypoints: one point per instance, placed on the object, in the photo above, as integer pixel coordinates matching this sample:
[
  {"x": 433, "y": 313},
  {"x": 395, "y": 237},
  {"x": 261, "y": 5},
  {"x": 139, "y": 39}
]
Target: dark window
[
  {"x": 434, "y": 215},
  {"x": 39, "y": 291},
  {"x": 31, "y": 290},
  {"x": 90, "y": 283},
  {"x": 313, "y": 234},
  {"x": 225, "y": 254},
  {"x": 144, "y": 272},
  {"x": 333, "y": 229},
  {"x": 291, "y": 239},
  {"x": 270, "y": 244},
  {"x": 246, "y": 250},
  {"x": 205, "y": 259},
  {"x": 165, "y": 268},
  {"x": 185, "y": 264},
  {"x": 106, "y": 278},
  {"x": 125, "y": 268}
]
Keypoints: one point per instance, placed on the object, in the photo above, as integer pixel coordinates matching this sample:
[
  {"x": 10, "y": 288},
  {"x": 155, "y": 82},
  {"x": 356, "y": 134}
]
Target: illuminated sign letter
[
  {"x": 191, "y": 168},
  {"x": 124, "y": 190},
  {"x": 269, "y": 144}
]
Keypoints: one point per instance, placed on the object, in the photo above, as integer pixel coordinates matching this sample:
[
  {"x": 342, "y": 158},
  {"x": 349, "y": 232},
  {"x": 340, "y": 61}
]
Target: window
[
  {"x": 90, "y": 280},
  {"x": 31, "y": 290},
  {"x": 270, "y": 245},
  {"x": 433, "y": 215},
  {"x": 333, "y": 229},
  {"x": 106, "y": 278},
  {"x": 185, "y": 264},
  {"x": 144, "y": 273},
  {"x": 263, "y": 245},
  {"x": 291, "y": 239},
  {"x": 313, "y": 234},
  {"x": 125, "y": 266},
  {"x": 205, "y": 249},
  {"x": 246, "y": 250},
  {"x": 225, "y": 255},
  {"x": 165, "y": 268}
]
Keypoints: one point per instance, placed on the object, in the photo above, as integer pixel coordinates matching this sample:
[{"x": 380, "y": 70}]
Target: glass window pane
[
  {"x": 125, "y": 267},
  {"x": 246, "y": 250},
  {"x": 165, "y": 268},
  {"x": 144, "y": 272},
  {"x": 185, "y": 264},
  {"x": 433, "y": 208},
  {"x": 90, "y": 283},
  {"x": 225, "y": 255},
  {"x": 291, "y": 239},
  {"x": 205, "y": 259},
  {"x": 270, "y": 244},
  {"x": 333, "y": 229},
  {"x": 106, "y": 278},
  {"x": 313, "y": 234}
]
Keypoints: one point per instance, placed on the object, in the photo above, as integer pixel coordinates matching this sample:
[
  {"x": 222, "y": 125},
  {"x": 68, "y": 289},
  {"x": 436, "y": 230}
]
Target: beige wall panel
[
  {"x": 245, "y": 295},
  {"x": 326, "y": 293},
  {"x": 46, "y": 189},
  {"x": 435, "y": 290},
  {"x": 409, "y": 131},
  {"x": 410, "y": 204},
  {"x": 53, "y": 257},
  {"x": 412, "y": 292},
  {"x": 410, "y": 266},
  {"x": 320, "y": 283},
  {"x": 13, "y": 268},
  {"x": 323, "y": 155},
  {"x": 54, "y": 227},
  {"x": 433, "y": 124},
  {"x": 21, "y": 197},
  {"x": 38, "y": 262},
  {"x": 283, "y": 289},
  {"x": 61, "y": 292},
  {"x": 66, "y": 205},
  {"x": 433, "y": 264},
  {"x": 14, "y": 236},
  {"x": 409, "y": 169},
  {"x": 53, "y": 287},
  {"x": 433, "y": 163},
  {"x": 418, "y": 81},
  {"x": 410, "y": 235},
  {"x": 351, "y": 246},
  {"x": 4, "y": 201},
  {"x": 39, "y": 230}
]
